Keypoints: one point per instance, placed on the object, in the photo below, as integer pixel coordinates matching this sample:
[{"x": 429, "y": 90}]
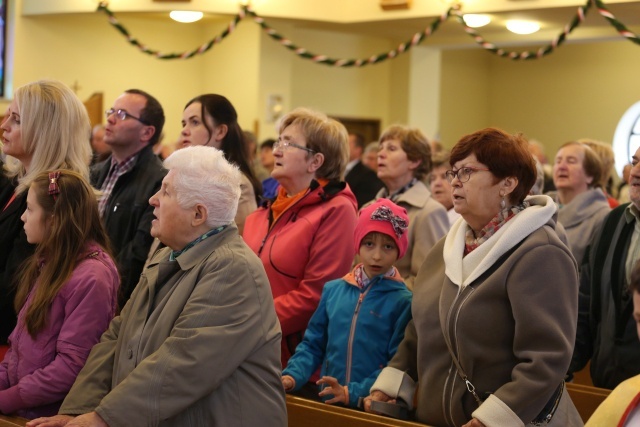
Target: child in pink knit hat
[{"x": 361, "y": 318}]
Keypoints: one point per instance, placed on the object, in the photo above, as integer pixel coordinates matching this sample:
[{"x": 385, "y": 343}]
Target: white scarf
[{"x": 463, "y": 270}]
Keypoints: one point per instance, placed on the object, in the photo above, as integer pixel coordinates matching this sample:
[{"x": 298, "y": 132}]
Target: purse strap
[{"x": 461, "y": 374}]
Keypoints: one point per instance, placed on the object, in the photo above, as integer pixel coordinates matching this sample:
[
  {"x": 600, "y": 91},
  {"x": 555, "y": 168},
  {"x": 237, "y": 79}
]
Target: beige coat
[{"x": 202, "y": 350}]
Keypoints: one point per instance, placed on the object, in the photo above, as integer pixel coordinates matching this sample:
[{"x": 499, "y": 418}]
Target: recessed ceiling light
[
  {"x": 474, "y": 20},
  {"x": 522, "y": 27},
  {"x": 186, "y": 15}
]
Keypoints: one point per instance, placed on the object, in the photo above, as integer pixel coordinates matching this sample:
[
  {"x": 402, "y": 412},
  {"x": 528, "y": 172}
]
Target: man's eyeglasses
[
  {"x": 463, "y": 174},
  {"x": 284, "y": 146},
  {"x": 122, "y": 115}
]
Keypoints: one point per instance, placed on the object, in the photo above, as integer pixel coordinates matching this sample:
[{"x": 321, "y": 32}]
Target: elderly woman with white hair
[{"x": 198, "y": 343}]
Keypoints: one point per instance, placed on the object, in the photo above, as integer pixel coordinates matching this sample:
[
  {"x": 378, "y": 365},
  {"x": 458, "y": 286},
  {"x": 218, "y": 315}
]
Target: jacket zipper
[
  {"x": 352, "y": 331},
  {"x": 273, "y": 226},
  {"x": 452, "y": 333}
]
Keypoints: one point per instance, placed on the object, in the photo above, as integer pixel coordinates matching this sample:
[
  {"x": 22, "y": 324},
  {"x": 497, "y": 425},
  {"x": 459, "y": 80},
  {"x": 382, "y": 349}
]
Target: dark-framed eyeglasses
[
  {"x": 463, "y": 174},
  {"x": 284, "y": 146},
  {"x": 122, "y": 115}
]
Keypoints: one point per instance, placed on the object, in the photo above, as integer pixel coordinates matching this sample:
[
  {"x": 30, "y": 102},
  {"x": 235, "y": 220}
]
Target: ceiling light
[
  {"x": 522, "y": 27},
  {"x": 185, "y": 15},
  {"x": 475, "y": 20}
]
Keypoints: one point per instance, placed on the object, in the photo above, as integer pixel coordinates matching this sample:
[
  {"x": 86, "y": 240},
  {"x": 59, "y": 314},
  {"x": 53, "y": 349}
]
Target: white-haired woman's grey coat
[{"x": 198, "y": 344}]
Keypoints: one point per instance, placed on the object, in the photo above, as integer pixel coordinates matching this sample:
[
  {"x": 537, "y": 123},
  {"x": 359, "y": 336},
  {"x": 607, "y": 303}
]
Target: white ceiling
[
  {"x": 367, "y": 17},
  {"x": 451, "y": 34}
]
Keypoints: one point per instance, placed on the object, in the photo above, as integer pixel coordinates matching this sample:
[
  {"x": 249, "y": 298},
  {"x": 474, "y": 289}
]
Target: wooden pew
[
  {"x": 584, "y": 376},
  {"x": 308, "y": 413},
  {"x": 586, "y": 398},
  {"x": 6, "y": 421}
]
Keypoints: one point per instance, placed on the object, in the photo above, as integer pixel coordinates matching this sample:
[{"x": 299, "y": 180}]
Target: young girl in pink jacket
[{"x": 66, "y": 295}]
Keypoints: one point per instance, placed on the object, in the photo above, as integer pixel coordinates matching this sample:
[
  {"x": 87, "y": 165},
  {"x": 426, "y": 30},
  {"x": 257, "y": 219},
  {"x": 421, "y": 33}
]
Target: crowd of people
[{"x": 200, "y": 288}]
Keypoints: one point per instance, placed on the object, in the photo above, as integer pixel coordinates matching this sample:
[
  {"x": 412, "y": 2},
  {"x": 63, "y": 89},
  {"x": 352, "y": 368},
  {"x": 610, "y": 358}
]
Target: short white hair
[{"x": 203, "y": 176}]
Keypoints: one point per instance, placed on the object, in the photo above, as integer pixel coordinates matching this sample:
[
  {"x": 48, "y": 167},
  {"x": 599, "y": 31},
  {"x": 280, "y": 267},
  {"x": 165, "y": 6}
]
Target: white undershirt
[{"x": 633, "y": 420}]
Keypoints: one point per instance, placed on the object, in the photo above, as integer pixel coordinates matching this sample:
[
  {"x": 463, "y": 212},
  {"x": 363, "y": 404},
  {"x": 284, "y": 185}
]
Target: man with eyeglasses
[{"x": 127, "y": 179}]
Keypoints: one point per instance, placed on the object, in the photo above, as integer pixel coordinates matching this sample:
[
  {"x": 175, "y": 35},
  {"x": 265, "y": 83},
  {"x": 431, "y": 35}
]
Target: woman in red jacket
[{"x": 304, "y": 236}]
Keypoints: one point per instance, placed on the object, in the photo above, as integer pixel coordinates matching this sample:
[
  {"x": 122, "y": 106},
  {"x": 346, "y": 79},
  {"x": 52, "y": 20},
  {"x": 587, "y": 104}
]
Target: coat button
[{"x": 129, "y": 354}]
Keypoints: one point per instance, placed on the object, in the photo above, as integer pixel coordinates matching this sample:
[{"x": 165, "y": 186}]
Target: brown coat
[
  {"x": 513, "y": 329},
  {"x": 201, "y": 350}
]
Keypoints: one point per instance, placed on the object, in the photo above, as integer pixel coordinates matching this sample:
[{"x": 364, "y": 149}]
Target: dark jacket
[
  {"x": 364, "y": 183},
  {"x": 128, "y": 215},
  {"x": 14, "y": 249},
  {"x": 606, "y": 328}
]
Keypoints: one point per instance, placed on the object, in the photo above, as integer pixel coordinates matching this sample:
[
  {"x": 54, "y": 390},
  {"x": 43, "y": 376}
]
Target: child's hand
[
  {"x": 288, "y": 382},
  {"x": 340, "y": 393}
]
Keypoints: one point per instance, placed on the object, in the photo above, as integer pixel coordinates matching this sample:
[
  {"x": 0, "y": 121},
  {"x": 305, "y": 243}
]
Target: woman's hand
[
  {"x": 379, "y": 396},
  {"x": 474, "y": 423},
  {"x": 288, "y": 382},
  {"x": 92, "y": 419},
  {"x": 56, "y": 421},
  {"x": 340, "y": 393}
]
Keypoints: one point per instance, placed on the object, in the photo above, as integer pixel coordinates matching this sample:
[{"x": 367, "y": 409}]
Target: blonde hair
[
  {"x": 607, "y": 158},
  {"x": 55, "y": 131},
  {"x": 414, "y": 143},
  {"x": 323, "y": 135}
]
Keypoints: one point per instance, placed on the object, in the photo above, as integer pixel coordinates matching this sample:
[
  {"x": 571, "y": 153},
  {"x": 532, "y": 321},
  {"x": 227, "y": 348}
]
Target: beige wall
[
  {"x": 84, "y": 48},
  {"x": 580, "y": 90},
  {"x": 464, "y": 94},
  {"x": 362, "y": 92}
]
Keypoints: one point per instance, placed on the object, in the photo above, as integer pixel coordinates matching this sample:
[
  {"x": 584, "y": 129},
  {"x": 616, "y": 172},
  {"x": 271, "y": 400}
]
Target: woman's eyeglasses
[
  {"x": 463, "y": 174},
  {"x": 122, "y": 115},
  {"x": 284, "y": 146}
]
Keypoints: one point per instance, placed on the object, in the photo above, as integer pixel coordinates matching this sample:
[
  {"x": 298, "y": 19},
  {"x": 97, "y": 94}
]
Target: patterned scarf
[
  {"x": 175, "y": 254},
  {"x": 362, "y": 280},
  {"x": 472, "y": 241},
  {"x": 395, "y": 196}
]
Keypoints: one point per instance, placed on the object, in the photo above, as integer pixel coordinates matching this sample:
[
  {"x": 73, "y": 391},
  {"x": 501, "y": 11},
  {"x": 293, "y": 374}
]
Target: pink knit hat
[{"x": 383, "y": 216}]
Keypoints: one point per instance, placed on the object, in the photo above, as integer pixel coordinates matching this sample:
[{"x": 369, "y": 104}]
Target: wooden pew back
[
  {"x": 586, "y": 398},
  {"x": 8, "y": 421},
  {"x": 307, "y": 413}
]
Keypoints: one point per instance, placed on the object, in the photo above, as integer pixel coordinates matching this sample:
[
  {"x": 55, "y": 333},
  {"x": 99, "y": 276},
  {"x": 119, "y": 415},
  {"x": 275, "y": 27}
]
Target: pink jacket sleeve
[{"x": 89, "y": 305}]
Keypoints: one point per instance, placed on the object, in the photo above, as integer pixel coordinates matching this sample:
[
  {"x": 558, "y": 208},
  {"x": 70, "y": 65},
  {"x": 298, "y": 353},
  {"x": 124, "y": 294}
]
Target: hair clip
[
  {"x": 384, "y": 213},
  {"x": 54, "y": 188}
]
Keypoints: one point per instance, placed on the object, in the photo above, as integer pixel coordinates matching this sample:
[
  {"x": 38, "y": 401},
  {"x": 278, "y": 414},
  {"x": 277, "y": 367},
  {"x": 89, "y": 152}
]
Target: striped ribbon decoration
[
  {"x": 622, "y": 29},
  {"x": 375, "y": 59}
]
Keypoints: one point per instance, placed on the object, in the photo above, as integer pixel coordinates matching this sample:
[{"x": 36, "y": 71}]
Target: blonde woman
[{"x": 45, "y": 127}]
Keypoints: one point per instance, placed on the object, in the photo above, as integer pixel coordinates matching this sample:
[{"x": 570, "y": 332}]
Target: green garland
[
  {"x": 102, "y": 7},
  {"x": 545, "y": 50},
  {"x": 375, "y": 59},
  {"x": 622, "y": 29},
  {"x": 323, "y": 59}
]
